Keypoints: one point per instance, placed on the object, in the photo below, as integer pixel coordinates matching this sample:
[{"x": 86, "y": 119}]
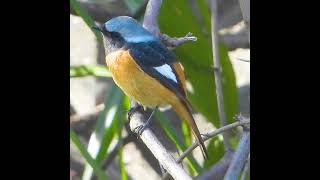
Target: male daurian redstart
[{"x": 146, "y": 70}]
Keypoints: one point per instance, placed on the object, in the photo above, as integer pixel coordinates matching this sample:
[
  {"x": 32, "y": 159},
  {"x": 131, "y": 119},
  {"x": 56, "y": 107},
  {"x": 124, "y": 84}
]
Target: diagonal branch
[
  {"x": 158, "y": 150},
  {"x": 212, "y": 134},
  {"x": 240, "y": 157},
  {"x": 223, "y": 164}
]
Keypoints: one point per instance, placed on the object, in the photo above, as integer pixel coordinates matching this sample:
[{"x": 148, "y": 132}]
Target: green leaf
[
  {"x": 126, "y": 105},
  {"x": 86, "y": 17},
  {"x": 121, "y": 163},
  {"x": 89, "y": 70},
  {"x": 216, "y": 151},
  {"x": 106, "y": 128},
  {"x": 96, "y": 168},
  {"x": 172, "y": 134},
  {"x": 176, "y": 19},
  {"x": 229, "y": 86}
]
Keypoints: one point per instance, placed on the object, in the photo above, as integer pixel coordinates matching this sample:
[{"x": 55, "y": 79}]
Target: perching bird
[{"x": 146, "y": 70}]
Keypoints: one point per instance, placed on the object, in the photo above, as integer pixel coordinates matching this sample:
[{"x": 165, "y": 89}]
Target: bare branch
[
  {"x": 217, "y": 72},
  {"x": 174, "y": 42},
  {"x": 150, "y": 21},
  {"x": 212, "y": 134},
  {"x": 240, "y": 157},
  {"x": 157, "y": 149},
  {"x": 218, "y": 171}
]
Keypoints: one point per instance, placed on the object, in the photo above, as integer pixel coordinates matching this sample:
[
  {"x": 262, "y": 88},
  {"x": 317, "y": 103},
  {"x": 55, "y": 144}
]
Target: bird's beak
[{"x": 97, "y": 28}]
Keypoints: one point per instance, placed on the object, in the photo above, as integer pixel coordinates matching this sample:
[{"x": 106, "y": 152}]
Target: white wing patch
[{"x": 166, "y": 71}]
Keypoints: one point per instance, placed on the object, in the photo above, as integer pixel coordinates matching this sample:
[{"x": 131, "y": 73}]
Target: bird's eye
[{"x": 115, "y": 35}]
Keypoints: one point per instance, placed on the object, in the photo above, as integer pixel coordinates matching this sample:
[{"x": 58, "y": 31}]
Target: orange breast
[{"x": 137, "y": 84}]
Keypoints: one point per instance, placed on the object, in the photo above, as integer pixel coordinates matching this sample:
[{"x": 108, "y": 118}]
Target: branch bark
[
  {"x": 150, "y": 21},
  {"x": 217, "y": 72},
  {"x": 212, "y": 134},
  {"x": 240, "y": 157},
  {"x": 158, "y": 150}
]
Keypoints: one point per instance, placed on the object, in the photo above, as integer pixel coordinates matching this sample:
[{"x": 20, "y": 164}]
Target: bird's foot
[
  {"x": 139, "y": 129},
  {"x": 132, "y": 110}
]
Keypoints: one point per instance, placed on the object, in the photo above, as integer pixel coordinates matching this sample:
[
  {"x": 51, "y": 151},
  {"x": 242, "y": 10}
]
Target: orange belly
[{"x": 137, "y": 84}]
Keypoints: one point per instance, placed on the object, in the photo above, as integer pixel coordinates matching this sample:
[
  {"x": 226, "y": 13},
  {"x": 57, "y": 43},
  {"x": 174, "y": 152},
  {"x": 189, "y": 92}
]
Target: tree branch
[
  {"x": 240, "y": 157},
  {"x": 217, "y": 72},
  {"x": 150, "y": 21},
  {"x": 212, "y": 134},
  {"x": 158, "y": 150},
  {"x": 174, "y": 42}
]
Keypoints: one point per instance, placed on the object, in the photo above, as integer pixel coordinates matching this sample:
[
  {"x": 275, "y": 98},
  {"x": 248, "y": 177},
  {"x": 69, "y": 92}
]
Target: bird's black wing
[{"x": 153, "y": 55}]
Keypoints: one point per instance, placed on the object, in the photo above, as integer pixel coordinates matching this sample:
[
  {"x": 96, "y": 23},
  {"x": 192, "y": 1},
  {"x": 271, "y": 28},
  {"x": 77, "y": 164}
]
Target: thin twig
[
  {"x": 217, "y": 72},
  {"x": 240, "y": 122},
  {"x": 240, "y": 157},
  {"x": 212, "y": 134},
  {"x": 173, "y": 42}
]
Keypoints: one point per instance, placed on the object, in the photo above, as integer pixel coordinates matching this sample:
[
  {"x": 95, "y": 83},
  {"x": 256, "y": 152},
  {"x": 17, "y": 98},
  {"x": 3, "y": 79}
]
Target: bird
[{"x": 146, "y": 70}]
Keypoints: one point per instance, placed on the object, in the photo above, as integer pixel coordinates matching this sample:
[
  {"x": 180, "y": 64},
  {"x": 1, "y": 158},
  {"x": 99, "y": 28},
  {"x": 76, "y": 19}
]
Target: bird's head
[{"x": 122, "y": 30}]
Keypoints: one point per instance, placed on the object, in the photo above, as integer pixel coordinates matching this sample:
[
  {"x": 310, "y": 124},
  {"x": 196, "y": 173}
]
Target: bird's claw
[
  {"x": 139, "y": 129},
  {"x": 132, "y": 110}
]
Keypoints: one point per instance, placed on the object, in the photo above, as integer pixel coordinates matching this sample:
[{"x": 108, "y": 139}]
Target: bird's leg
[
  {"x": 141, "y": 128},
  {"x": 132, "y": 110}
]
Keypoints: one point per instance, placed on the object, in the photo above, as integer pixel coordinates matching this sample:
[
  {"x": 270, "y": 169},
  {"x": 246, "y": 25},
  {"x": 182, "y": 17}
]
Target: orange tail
[{"x": 183, "y": 109}]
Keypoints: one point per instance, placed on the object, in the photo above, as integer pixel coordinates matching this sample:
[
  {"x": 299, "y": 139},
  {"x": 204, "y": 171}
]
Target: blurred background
[{"x": 98, "y": 108}]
